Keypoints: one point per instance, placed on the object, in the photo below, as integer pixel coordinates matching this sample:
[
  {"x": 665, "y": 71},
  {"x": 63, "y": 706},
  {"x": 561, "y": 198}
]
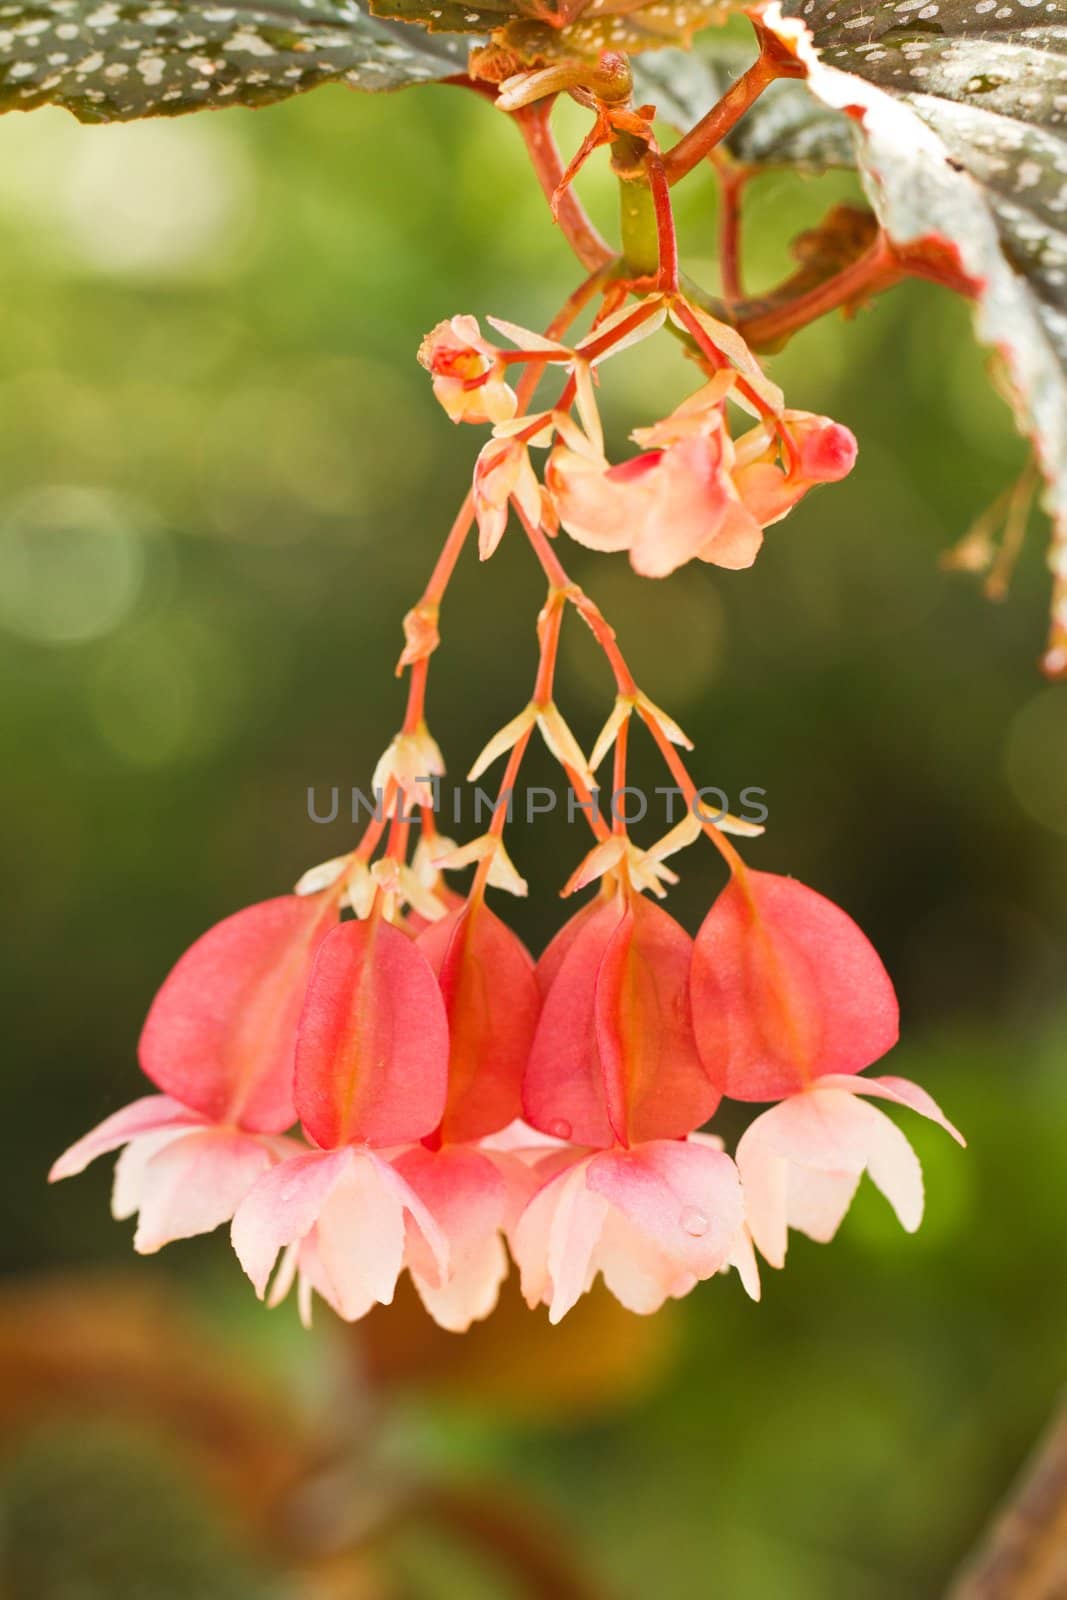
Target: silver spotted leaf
[
  {"x": 962, "y": 106},
  {"x": 108, "y": 60},
  {"x": 787, "y": 127}
]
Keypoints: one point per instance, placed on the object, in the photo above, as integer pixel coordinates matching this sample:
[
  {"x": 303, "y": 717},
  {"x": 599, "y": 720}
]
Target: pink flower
[
  {"x": 371, "y": 1062},
  {"x": 614, "y": 1065},
  {"x": 675, "y": 502},
  {"x": 503, "y": 470},
  {"x": 694, "y": 492},
  {"x": 824, "y": 452},
  {"x": 653, "y": 1220},
  {"x": 614, "y": 1058},
  {"x": 802, "y": 1161},
  {"x": 341, "y": 1218},
  {"x": 786, "y": 988},
  {"x": 219, "y": 1040},
  {"x": 467, "y": 373},
  {"x": 492, "y": 1000},
  {"x": 466, "y": 1194}
]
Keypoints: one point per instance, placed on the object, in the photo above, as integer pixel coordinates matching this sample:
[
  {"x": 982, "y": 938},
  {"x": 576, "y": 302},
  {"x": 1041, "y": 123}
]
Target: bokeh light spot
[{"x": 71, "y": 564}]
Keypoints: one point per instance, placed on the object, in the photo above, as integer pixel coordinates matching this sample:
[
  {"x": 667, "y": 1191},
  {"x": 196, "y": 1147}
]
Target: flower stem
[
  {"x": 713, "y": 128},
  {"x": 533, "y": 123},
  {"x": 876, "y": 269},
  {"x": 732, "y": 180},
  {"x": 626, "y": 684}
]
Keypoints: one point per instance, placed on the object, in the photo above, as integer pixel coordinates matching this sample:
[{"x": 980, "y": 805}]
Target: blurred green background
[{"x": 223, "y": 479}]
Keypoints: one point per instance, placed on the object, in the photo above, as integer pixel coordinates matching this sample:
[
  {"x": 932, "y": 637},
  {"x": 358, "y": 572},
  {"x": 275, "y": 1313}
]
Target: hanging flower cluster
[
  {"x": 693, "y": 491},
  {"x": 457, "y": 1102},
  {"x": 452, "y": 1095}
]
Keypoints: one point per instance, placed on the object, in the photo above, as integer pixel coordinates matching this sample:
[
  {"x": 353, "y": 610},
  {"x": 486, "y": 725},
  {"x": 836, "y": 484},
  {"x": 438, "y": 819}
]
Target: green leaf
[
  {"x": 787, "y": 126},
  {"x": 105, "y": 60},
  {"x": 961, "y": 106}
]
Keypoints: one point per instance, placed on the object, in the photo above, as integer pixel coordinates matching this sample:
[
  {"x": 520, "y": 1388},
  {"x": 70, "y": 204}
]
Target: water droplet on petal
[
  {"x": 694, "y": 1221},
  {"x": 559, "y": 1128}
]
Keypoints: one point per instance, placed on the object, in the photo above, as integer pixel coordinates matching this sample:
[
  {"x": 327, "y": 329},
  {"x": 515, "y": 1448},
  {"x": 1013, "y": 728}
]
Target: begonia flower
[{"x": 220, "y": 1042}]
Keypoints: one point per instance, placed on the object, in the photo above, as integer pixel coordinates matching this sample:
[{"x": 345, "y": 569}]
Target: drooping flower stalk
[{"x": 448, "y": 1095}]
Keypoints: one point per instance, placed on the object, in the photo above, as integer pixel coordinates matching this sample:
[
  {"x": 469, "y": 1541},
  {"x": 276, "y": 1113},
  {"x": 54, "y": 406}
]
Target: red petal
[
  {"x": 563, "y": 1090},
  {"x": 492, "y": 999},
  {"x": 614, "y": 1057},
  {"x": 220, "y": 1034},
  {"x": 786, "y": 988},
  {"x": 551, "y": 958},
  {"x": 656, "y": 1085},
  {"x": 372, "y": 1051}
]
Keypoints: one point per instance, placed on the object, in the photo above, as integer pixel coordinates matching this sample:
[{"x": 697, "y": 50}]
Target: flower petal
[
  {"x": 903, "y": 1093},
  {"x": 655, "y": 1083},
  {"x": 195, "y": 1183},
  {"x": 221, "y": 1032},
  {"x": 372, "y": 1052},
  {"x": 283, "y": 1207},
  {"x": 684, "y": 1198},
  {"x": 786, "y": 988},
  {"x": 359, "y": 1236},
  {"x": 466, "y": 1196},
  {"x": 491, "y": 996},
  {"x": 563, "y": 1089},
  {"x": 555, "y": 1239},
  {"x": 151, "y": 1114}
]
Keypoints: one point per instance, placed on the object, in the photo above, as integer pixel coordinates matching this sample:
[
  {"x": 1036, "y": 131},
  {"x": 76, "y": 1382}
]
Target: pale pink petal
[
  {"x": 893, "y": 1167},
  {"x": 902, "y": 1092},
  {"x": 742, "y": 1258},
  {"x": 737, "y": 541},
  {"x": 765, "y": 1181},
  {"x": 634, "y": 1269},
  {"x": 821, "y": 1128},
  {"x": 684, "y": 1198},
  {"x": 597, "y": 511},
  {"x": 555, "y": 1238},
  {"x": 195, "y": 1184},
  {"x": 359, "y": 1235},
  {"x": 282, "y": 1207},
  {"x": 129, "y": 1169},
  {"x": 472, "y": 1289},
  {"x": 576, "y": 1227},
  {"x": 817, "y": 1202},
  {"x": 815, "y": 1146},
  {"x": 464, "y": 1194},
  {"x": 521, "y": 1138},
  {"x": 151, "y": 1113},
  {"x": 690, "y": 497}
]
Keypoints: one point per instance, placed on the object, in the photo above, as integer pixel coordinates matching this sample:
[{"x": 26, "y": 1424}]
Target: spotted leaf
[
  {"x": 109, "y": 60},
  {"x": 963, "y": 142}
]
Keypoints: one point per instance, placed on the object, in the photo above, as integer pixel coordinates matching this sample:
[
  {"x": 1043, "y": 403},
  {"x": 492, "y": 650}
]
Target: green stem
[{"x": 638, "y": 231}]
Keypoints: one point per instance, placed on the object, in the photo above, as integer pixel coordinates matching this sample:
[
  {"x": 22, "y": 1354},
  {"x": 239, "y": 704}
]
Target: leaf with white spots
[
  {"x": 108, "y": 60},
  {"x": 787, "y": 127},
  {"x": 535, "y": 31},
  {"x": 962, "y": 107}
]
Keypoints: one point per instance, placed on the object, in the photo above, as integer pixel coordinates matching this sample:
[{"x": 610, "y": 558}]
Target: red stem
[
  {"x": 534, "y": 125},
  {"x": 876, "y": 269},
  {"x": 626, "y": 684},
  {"x": 667, "y": 279},
  {"x": 714, "y": 127},
  {"x": 732, "y": 181}
]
